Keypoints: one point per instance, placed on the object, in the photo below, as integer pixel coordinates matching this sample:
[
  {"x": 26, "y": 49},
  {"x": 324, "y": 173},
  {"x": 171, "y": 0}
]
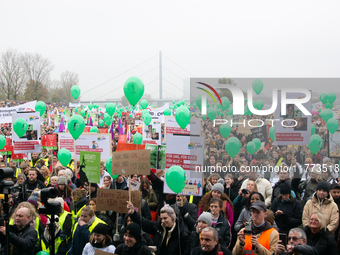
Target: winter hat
[
  {"x": 206, "y": 217},
  {"x": 334, "y": 186},
  {"x": 285, "y": 189},
  {"x": 325, "y": 159},
  {"x": 23, "y": 176},
  {"x": 316, "y": 169},
  {"x": 23, "y": 166},
  {"x": 323, "y": 185},
  {"x": 33, "y": 199},
  {"x": 134, "y": 230},
  {"x": 62, "y": 180},
  {"x": 220, "y": 181},
  {"x": 219, "y": 187},
  {"x": 101, "y": 229}
]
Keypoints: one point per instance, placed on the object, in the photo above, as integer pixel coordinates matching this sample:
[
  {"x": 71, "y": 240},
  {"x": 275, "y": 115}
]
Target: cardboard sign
[
  {"x": 115, "y": 200},
  {"x": 131, "y": 162},
  {"x": 129, "y": 147},
  {"x": 260, "y": 133},
  {"x": 99, "y": 252}
]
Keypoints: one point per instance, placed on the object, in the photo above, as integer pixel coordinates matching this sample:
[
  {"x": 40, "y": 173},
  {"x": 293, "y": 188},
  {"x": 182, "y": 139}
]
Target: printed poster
[
  {"x": 157, "y": 156},
  {"x": 90, "y": 163},
  {"x": 6, "y": 112}
]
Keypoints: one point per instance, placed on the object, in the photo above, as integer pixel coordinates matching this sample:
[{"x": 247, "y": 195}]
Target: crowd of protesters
[{"x": 242, "y": 212}]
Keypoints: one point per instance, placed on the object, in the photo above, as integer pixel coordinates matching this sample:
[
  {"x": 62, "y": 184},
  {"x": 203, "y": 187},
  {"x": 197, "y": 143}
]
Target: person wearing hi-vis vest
[
  {"x": 261, "y": 238},
  {"x": 35, "y": 159},
  {"x": 82, "y": 230},
  {"x": 79, "y": 202}
]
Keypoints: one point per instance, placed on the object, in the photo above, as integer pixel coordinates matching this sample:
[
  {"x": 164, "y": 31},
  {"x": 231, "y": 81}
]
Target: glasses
[{"x": 294, "y": 238}]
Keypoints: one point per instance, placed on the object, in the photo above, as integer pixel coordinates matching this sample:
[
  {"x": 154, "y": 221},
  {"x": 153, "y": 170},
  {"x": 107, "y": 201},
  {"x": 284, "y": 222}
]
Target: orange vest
[{"x": 264, "y": 240}]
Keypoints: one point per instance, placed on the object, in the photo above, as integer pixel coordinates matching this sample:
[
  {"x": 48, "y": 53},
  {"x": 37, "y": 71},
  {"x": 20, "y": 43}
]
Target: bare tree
[
  {"x": 12, "y": 74},
  {"x": 37, "y": 70},
  {"x": 68, "y": 79}
]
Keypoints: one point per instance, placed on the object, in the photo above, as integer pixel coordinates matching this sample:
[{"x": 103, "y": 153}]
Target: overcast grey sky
[{"x": 102, "y": 39}]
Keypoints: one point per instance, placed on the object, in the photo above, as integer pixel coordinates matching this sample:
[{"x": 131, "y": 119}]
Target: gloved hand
[
  {"x": 304, "y": 249},
  {"x": 182, "y": 210}
]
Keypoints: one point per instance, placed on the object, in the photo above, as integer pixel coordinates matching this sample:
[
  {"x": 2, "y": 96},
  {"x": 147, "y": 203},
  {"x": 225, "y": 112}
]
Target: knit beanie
[
  {"x": 33, "y": 199},
  {"x": 62, "y": 180},
  {"x": 316, "y": 169},
  {"x": 101, "y": 229},
  {"x": 221, "y": 181},
  {"x": 206, "y": 217},
  {"x": 134, "y": 230},
  {"x": 325, "y": 159},
  {"x": 285, "y": 189},
  {"x": 23, "y": 176},
  {"x": 323, "y": 185},
  {"x": 219, "y": 187}
]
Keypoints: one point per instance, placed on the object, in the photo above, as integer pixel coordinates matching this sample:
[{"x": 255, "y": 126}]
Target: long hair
[
  {"x": 27, "y": 205},
  {"x": 206, "y": 199}
]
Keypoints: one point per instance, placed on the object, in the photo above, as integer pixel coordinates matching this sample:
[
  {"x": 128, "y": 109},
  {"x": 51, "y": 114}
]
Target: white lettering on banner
[{"x": 7, "y": 112}]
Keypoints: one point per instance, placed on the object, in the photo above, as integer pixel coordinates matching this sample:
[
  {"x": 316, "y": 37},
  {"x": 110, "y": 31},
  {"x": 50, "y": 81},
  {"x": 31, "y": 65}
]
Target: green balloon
[
  {"x": 272, "y": 133},
  {"x": 167, "y": 112},
  {"x": 233, "y": 146},
  {"x": 323, "y": 98},
  {"x": 329, "y": 106},
  {"x": 42, "y": 253},
  {"x": 204, "y": 116},
  {"x": 144, "y": 104},
  {"x": 76, "y": 109},
  {"x": 312, "y": 130},
  {"x": 332, "y": 125},
  {"x": 107, "y": 119},
  {"x": 260, "y": 104},
  {"x": 230, "y": 111},
  {"x": 40, "y": 107},
  {"x": 211, "y": 113},
  {"x": 326, "y": 114},
  {"x": 175, "y": 178},
  {"x": 225, "y": 130},
  {"x": 147, "y": 119},
  {"x": 315, "y": 144},
  {"x": 225, "y": 103},
  {"x": 251, "y": 147},
  {"x": 133, "y": 90},
  {"x": 320, "y": 110},
  {"x": 76, "y": 126},
  {"x": 100, "y": 123},
  {"x": 20, "y": 126},
  {"x": 94, "y": 130},
  {"x": 111, "y": 108},
  {"x": 257, "y": 86},
  {"x": 182, "y": 117},
  {"x": 109, "y": 168},
  {"x": 257, "y": 143},
  {"x": 331, "y": 97},
  {"x": 2, "y": 142},
  {"x": 75, "y": 91},
  {"x": 137, "y": 138},
  {"x": 90, "y": 106},
  {"x": 64, "y": 156}
]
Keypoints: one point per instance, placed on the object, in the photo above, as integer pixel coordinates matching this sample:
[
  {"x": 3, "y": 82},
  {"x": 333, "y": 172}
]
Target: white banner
[
  {"x": 6, "y": 112},
  {"x": 87, "y": 142},
  {"x": 29, "y": 142},
  {"x": 193, "y": 128},
  {"x": 74, "y": 104},
  {"x": 158, "y": 113}
]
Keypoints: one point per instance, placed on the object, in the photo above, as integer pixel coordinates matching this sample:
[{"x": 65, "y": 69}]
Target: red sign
[
  {"x": 129, "y": 147},
  {"x": 103, "y": 130},
  {"x": 67, "y": 144},
  {"x": 122, "y": 139},
  {"x": 18, "y": 156},
  {"x": 51, "y": 140},
  {"x": 8, "y": 146},
  {"x": 43, "y": 141},
  {"x": 87, "y": 129},
  {"x": 25, "y": 146}
]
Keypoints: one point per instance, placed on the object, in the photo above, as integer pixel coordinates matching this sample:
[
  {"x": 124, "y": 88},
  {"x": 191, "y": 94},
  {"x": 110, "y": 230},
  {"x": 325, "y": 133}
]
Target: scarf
[
  {"x": 89, "y": 223},
  {"x": 100, "y": 244}
]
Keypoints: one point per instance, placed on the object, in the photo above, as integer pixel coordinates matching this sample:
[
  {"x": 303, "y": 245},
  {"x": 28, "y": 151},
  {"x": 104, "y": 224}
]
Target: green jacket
[{"x": 151, "y": 199}]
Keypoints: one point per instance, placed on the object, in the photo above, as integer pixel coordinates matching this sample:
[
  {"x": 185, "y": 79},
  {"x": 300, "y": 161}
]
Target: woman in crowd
[
  {"x": 318, "y": 236},
  {"x": 284, "y": 180},
  {"x": 243, "y": 195},
  {"x": 101, "y": 214},
  {"x": 168, "y": 231},
  {"x": 64, "y": 191},
  {"x": 277, "y": 158},
  {"x": 47, "y": 175},
  {"x": 227, "y": 206},
  {"x": 210, "y": 182},
  {"x": 245, "y": 213},
  {"x": 83, "y": 229},
  {"x": 219, "y": 221},
  {"x": 230, "y": 186},
  {"x": 148, "y": 194},
  {"x": 307, "y": 188},
  {"x": 79, "y": 202},
  {"x": 107, "y": 182},
  {"x": 53, "y": 181},
  {"x": 287, "y": 210},
  {"x": 100, "y": 239}
]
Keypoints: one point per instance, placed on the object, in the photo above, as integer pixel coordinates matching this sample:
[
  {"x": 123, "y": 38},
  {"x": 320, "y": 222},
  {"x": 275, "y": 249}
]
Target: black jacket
[
  {"x": 303, "y": 250},
  {"x": 323, "y": 241},
  {"x": 140, "y": 248},
  {"x": 177, "y": 237},
  {"x": 23, "y": 241},
  {"x": 194, "y": 242},
  {"x": 277, "y": 187},
  {"x": 292, "y": 213},
  {"x": 198, "y": 251},
  {"x": 28, "y": 187},
  {"x": 224, "y": 231},
  {"x": 188, "y": 212}
]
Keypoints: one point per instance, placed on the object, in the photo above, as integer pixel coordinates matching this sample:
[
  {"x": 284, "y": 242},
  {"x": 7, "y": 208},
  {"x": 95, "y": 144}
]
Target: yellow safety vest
[
  {"x": 71, "y": 166},
  {"x": 57, "y": 243},
  {"x": 47, "y": 181},
  {"x": 75, "y": 217},
  {"x": 18, "y": 171},
  {"x": 31, "y": 162},
  {"x": 62, "y": 219},
  {"x": 94, "y": 224}
]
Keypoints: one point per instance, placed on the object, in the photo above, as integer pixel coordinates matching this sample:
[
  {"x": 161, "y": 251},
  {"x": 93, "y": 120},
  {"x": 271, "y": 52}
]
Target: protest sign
[
  {"x": 157, "y": 156},
  {"x": 90, "y": 163},
  {"x": 57, "y": 119},
  {"x": 6, "y": 112},
  {"x": 131, "y": 162},
  {"x": 122, "y": 139},
  {"x": 8, "y": 147},
  {"x": 87, "y": 142},
  {"x": 115, "y": 200},
  {"x": 74, "y": 104},
  {"x": 129, "y": 147},
  {"x": 103, "y": 130},
  {"x": 193, "y": 128},
  {"x": 260, "y": 133},
  {"x": 68, "y": 113},
  {"x": 30, "y": 141},
  {"x": 152, "y": 133},
  {"x": 134, "y": 184}
]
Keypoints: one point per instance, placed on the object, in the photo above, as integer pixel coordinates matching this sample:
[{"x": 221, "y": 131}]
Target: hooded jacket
[
  {"x": 223, "y": 229},
  {"x": 176, "y": 238},
  {"x": 326, "y": 207},
  {"x": 323, "y": 241},
  {"x": 292, "y": 213}
]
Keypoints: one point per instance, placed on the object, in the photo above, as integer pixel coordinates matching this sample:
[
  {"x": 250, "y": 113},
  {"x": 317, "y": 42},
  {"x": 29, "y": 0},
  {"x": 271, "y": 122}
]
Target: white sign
[
  {"x": 158, "y": 113},
  {"x": 74, "y": 104},
  {"x": 29, "y": 142},
  {"x": 87, "y": 142},
  {"x": 193, "y": 128},
  {"x": 152, "y": 133},
  {"x": 134, "y": 184},
  {"x": 6, "y": 112}
]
